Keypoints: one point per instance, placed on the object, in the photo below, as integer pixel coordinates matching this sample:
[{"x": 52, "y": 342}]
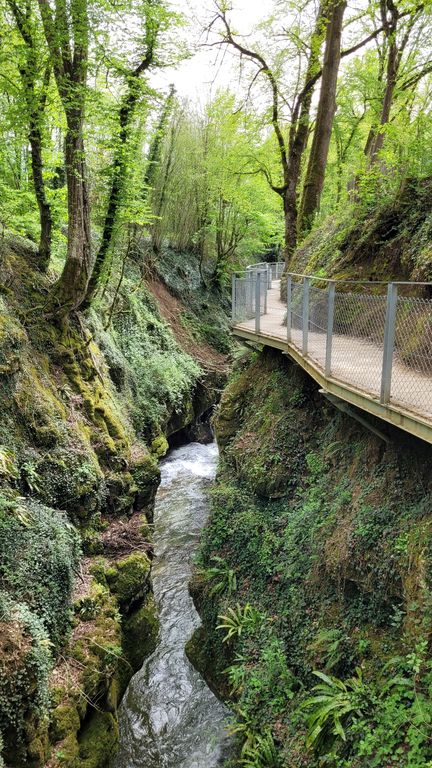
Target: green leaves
[
  {"x": 236, "y": 621},
  {"x": 224, "y": 578},
  {"x": 333, "y": 704}
]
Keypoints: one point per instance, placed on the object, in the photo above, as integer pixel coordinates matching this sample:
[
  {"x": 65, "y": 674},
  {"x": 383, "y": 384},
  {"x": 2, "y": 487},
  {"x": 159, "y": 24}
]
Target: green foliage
[
  {"x": 224, "y": 578},
  {"x": 380, "y": 720},
  {"x": 239, "y": 620},
  {"x": 258, "y": 750},
  {"x": 40, "y": 550},
  {"x": 332, "y": 706},
  {"x": 161, "y": 375},
  {"x": 326, "y": 564},
  {"x": 23, "y": 683}
]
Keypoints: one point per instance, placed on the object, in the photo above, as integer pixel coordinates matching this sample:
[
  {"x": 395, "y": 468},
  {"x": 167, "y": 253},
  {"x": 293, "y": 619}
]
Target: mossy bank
[
  {"x": 316, "y": 561},
  {"x": 88, "y": 408}
]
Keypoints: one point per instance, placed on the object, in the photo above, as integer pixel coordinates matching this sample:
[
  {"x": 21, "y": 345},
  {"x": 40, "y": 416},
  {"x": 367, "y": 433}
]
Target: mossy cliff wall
[
  {"x": 87, "y": 409},
  {"x": 317, "y": 557}
]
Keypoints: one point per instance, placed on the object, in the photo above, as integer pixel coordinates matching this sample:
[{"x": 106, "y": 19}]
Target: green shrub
[
  {"x": 25, "y": 663},
  {"x": 40, "y": 550}
]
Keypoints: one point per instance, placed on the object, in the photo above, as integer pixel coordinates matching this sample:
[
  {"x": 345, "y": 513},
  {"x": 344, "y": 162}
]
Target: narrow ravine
[{"x": 169, "y": 718}]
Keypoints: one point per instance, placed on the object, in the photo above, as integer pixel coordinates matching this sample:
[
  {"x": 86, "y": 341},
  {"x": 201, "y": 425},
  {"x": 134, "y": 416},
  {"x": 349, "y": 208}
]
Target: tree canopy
[{"x": 331, "y": 108}]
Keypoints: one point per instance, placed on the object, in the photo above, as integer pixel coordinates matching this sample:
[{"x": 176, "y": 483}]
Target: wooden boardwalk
[{"x": 355, "y": 371}]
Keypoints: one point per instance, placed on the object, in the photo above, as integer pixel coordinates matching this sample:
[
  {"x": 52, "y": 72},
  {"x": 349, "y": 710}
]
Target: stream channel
[{"x": 169, "y": 718}]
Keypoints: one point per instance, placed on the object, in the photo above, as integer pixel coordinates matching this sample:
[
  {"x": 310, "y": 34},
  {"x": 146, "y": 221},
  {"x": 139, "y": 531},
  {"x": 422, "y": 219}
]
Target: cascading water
[{"x": 169, "y": 718}]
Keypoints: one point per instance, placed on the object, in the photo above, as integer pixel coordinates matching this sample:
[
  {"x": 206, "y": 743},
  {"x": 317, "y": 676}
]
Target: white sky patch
[{"x": 210, "y": 68}]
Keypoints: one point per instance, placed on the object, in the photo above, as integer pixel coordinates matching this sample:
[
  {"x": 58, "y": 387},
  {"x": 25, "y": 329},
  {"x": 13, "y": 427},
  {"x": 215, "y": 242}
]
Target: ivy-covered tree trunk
[
  {"x": 72, "y": 285},
  {"x": 35, "y": 106},
  {"x": 66, "y": 32},
  {"x": 120, "y": 163},
  {"x": 45, "y": 215}
]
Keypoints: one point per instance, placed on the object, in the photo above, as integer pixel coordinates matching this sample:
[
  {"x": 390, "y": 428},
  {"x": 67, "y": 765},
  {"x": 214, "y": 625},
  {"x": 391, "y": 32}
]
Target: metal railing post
[
  {"x": 289, "y": 307},
  {"x": 258, "y": 302},
  {"x": 269, "y": 276},
  {"x": 389, "y": 340},
  {"x": 233, "y": 299},
  {"x": 330, "y": 323},
  {"x": 306, "y": 285},
  {"x": 265, "y": 293}
]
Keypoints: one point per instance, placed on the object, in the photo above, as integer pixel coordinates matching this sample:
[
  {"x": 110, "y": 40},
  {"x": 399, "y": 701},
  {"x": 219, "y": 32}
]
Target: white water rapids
[{"x": 169, "y": 718}]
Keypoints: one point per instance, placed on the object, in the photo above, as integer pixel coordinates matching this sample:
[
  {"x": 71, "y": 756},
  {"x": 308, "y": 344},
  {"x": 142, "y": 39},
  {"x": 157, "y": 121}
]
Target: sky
[{"x": 199, "y": 77}]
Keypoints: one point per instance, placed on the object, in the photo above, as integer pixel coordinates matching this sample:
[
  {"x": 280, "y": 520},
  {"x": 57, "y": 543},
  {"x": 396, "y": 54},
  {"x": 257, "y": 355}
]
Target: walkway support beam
[{"x": 389, "y": 340}]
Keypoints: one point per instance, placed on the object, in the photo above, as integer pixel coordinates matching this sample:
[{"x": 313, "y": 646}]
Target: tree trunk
[
  {"x": 377, "y": 139},
  {"x": 35, "y": 104},
  {"x": 126, "y": 115},
  {"x": 45, "y": 216},
  {"x": 298, "y": 137},
  {"x": 290, "y": 216},
  {"x": 315, "y": 174},
  {"x": 72, "y": 285}
]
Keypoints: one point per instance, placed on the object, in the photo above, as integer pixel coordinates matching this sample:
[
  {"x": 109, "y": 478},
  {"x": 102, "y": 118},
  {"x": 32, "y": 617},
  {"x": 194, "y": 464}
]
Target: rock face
[
  {"x": 317, "y": 557},
  {"x": 87, "y": 412}
]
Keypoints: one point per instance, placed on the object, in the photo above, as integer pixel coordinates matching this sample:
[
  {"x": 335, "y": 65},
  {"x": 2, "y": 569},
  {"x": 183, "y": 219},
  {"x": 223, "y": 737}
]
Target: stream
[{"x": 169, "y": 718}]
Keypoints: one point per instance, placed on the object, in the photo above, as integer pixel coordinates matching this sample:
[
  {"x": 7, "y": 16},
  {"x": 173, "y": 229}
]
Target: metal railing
[
  {"x": 375, "y": 336},
  {"x": 249, "y": 290}
]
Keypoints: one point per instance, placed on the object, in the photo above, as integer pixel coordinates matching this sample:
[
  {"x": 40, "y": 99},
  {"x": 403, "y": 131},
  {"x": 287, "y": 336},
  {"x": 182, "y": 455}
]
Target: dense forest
[
  {"x": 125, "y": 206},
  {"x": 332, "y": 110}
]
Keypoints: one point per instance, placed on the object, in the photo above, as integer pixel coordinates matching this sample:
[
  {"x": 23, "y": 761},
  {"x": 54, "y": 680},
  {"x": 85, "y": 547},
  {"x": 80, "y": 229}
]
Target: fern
[
  {"x": 332, "y": 707},
  {"x": 238, "y": 619}
]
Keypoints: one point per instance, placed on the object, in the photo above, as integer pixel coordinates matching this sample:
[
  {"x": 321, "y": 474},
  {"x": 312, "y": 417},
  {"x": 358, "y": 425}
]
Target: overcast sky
[{"x": 209, "y": 68}]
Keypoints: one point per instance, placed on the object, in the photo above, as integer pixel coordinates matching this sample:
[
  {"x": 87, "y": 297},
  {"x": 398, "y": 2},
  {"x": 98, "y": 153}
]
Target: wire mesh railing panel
[
  {"x": 280, "y": 266},
  {"x": 263, "y": 294},
  {"x": 358, "y": 340},
  {"x": 411, "y": 384},
  {"x": 243, "y": 299},
  {"x": 297, "y": 314},
  {"x": 264, "y": 270},
  {"x": 374, "y": 336},
  {"x": 317, "y": 327},
  {"x": 276, "y": 268}
]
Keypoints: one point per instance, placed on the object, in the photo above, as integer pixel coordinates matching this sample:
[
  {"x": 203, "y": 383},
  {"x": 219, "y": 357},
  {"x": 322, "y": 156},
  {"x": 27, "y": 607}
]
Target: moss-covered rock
[
  {"x": 98, "y": 740},
  {"x": 65, "y": 721},
  {"x": 159, "y": 446},
  {"x": 146, "y": 475},
  {"x": 140, "y": 633},
  {"x": 129, "y": 579}
]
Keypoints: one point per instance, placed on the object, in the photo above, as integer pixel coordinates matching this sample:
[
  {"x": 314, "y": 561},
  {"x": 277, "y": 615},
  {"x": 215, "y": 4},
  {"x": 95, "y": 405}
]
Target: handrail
[{"x": 264, "y": 265}]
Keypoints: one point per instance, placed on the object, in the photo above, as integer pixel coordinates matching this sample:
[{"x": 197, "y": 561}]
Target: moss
[
  {"x": 64, "y": 721},
  {"x": 146, "y": 475},
  {"x": 43, "y": 414},
  {"x": 66, "y": 753},
  {"x": 25, "y": 663},
  {"x": 70, "y": 481},
  {"x": 327, "y": 530},
  {"x": 129, "y": 579},
  {"x": 159, "y": 446},
  {"x": 121, "y": 492},
  {"x": 140, "y": 633},
  {"x": 98, "y": 741}
]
